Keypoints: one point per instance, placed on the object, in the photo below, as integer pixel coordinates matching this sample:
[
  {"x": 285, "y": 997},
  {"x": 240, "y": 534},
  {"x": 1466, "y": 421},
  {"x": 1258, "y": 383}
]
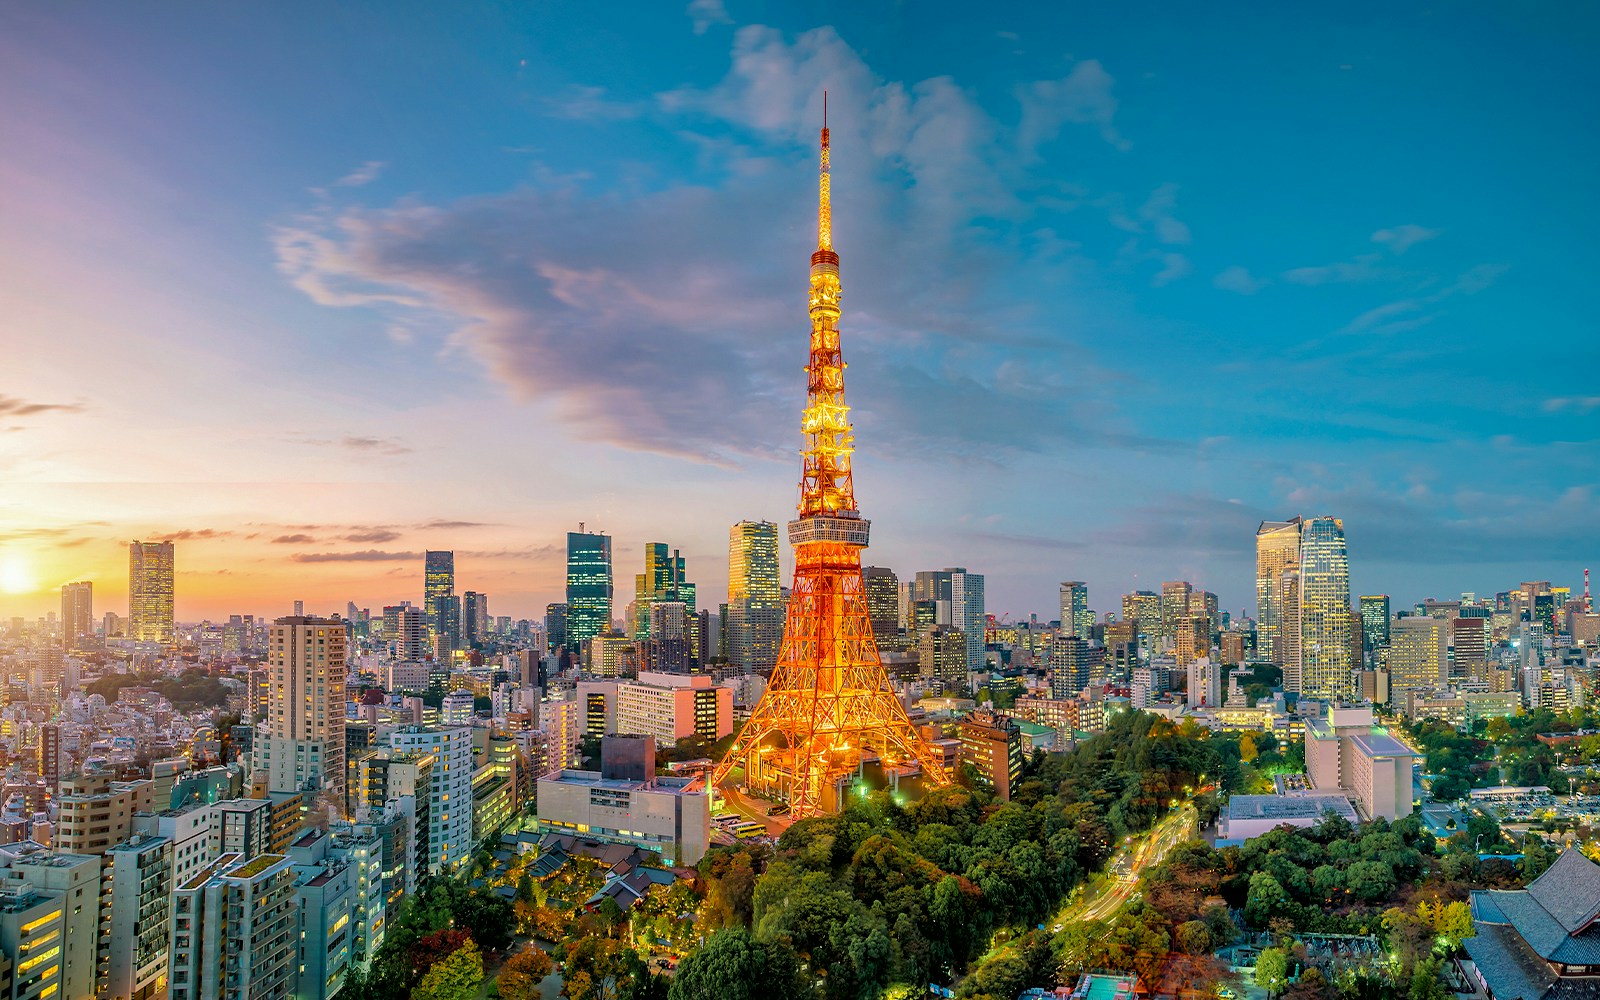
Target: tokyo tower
[{"x": 828, "y": 701}]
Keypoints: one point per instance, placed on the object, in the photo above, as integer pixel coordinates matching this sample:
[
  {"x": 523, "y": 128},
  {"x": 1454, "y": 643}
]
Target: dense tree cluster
[
  {"x": 436, "y": 924},
  {"x": 882, "y": 893},
  {"x": 189, "y": 691}
]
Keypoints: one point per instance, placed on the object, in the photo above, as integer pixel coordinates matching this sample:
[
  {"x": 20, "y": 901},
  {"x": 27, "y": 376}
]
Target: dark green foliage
[
  {"x": 733, "y": 965},
  {"x": 188, "y": 692}
]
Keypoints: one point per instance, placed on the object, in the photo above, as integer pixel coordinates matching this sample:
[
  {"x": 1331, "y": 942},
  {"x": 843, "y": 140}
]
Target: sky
[{"x": 311, "y": 288}]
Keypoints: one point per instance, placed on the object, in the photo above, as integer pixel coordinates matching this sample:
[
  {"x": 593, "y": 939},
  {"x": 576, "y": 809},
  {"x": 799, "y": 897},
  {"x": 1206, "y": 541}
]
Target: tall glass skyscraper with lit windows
[
  {"x": 1325, "y": 612},
  {"x": 589, "y": 587}
]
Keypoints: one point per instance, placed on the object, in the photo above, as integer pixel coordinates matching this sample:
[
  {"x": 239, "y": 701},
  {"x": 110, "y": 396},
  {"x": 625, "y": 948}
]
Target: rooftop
[
  {"x": 1289, "y": 807},
  {"x": 1378, "y": 743}
]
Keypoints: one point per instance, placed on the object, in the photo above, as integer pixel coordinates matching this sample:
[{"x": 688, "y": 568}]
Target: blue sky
[{"x": 321, "y": 288}]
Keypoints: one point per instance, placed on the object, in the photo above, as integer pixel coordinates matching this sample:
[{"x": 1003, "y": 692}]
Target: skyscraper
[
  {"x": 662, "y": 582},
  {"x": 1076, "y": 618},
  {"x": 755, "y": 608},
  {"x": 1174, "y": 606},
  {"x": 474, "y": 617},
  {"x": 555, "y": 626},
  {"x": 1277, "y": 549},
  {"x": 588, "y": 586},
  {"x": 883, "y": 603},
  {"x": 150, "y": 591},
  {"x": 1325, "y": 611},
  {"x": 438, "y": 594},
  {"x": 301, "y": 743},
  {"x": 1143, "y": 607},
  {"x": 77, "y": 612},
  {"x": 957, "y": 600},
  {"x": 1374, "y": 624}
]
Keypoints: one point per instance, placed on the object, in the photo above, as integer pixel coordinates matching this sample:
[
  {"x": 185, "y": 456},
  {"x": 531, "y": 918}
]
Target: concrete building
[
  {"x": 301, "y": 742},
  {"x": 1347, "y": 752},
  {"x": 150, "y": 591},
  {"x": 992, "y": 744},
  {"x": 32, "y": 923},
  {"x": 96, "y": 812},
  {"x": 325, "y": 905},
  {"x": 671, "y": 816},
  {"x": 1418, "y": 655},
  {"x": 450, "y": 795},
  {"x": 1252, "y": 815},
  {"x": 671, "y": 707},
  {"x": 135, "y": 918},
  {"x": 75, "y": 880},
  {"x": 235, "y": 933}
]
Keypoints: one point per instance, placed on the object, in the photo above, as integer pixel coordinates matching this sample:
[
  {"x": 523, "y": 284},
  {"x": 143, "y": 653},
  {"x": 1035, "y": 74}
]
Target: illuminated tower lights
[{"x": 829, "y": 698}]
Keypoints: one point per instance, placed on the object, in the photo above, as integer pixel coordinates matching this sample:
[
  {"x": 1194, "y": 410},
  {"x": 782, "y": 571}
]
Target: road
[{"x": 1124, "y": 869}]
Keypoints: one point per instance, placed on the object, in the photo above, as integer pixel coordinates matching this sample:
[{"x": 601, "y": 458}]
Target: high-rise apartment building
[
  {"x": 77, "y": 613},
  {"x": 135, "y": 918},
  {"x": 97, "y": 811},
  {"x": 589, "y": 589},
  {"x": 235, "y": 933},
  {"x": 1277, "y": 550},
  {"x": 942, "y": 656},
  {"x": 450, "y": 812},
  {"x": 1374, "y": 625},
  {"x": 438, "y": 594},
  {"x": 755, "y": 597},
  {"x": 1076, "y": 618},
  {"x": 150, "y": 591},
  {"x": 1192, "y": 640},
  {"x": 300, "y": 745},
  {"x": 883, "y": 603},
  {"x": 992, "y": 744},
  {"x": 405, "y": 629},
  {"x": 1325, "y": 667}
]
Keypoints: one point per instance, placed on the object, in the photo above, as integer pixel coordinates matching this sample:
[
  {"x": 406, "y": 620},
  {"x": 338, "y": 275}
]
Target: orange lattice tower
[{"x": 829, "y": 699}]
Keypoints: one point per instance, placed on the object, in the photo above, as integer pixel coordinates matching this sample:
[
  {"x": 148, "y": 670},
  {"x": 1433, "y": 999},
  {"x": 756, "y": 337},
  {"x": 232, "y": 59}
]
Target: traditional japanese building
[{"x": 1542, "y": 942}]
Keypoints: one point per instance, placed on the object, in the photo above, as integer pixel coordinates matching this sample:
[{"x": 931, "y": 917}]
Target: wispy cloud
[
  {"x": 190, "y": 535},
  {"x": 1399, "y": 239},
  {"x": 12, "y": 406},
  {"x": 1365, "y": 267},
  {"x": 1082, "y": 97},
  {"x": 705, "y": 13},
  {"x": 582, "y": 103},
  {"x": 362, "y": 175},
  {"x": 295, "y": 539},
  {"x": 1238, "y": 279},
  {"x": 367, "y": 555},
  {"x": 376, "y": 537},
  {"x": 381, "y": 446},
  {"x": 1572, "y": 404}
]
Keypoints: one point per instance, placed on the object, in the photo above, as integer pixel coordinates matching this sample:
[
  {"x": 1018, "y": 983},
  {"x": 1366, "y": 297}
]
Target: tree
[
  {"x": 1272, "y": 970},
  {"x": 1266, "y": 897},
  {"x": 1370, "y": 881},
  {"x": 1194, "y": 938},
  {"x": 488, "y": 918},
  {"x": 1247, "y": 748},
  {"x": 454, "y": 977},
  {"x": 1312, "y": 985},
  {"x": 430, "y": 949},
  {"x": 1453, "y": 922},
  {"x": 733, "y": 965},
  {"x": 520, "y": 977}
]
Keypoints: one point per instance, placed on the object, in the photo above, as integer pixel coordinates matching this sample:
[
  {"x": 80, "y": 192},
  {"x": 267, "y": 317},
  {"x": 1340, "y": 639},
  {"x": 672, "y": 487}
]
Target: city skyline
[{"x": 1110, "y": 345}]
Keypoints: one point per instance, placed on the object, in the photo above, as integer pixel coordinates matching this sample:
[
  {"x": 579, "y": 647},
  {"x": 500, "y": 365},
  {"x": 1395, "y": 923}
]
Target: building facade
[{"x": 150, "y": 592}]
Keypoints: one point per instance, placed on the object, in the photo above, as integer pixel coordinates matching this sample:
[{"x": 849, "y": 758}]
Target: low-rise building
[
  {"x": 1538, "y": 943},
  {"x": 625, "y": 803},
  {"x": 1252, "y": 815}
]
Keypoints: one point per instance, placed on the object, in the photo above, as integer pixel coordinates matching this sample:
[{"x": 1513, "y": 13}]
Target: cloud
[
  {"x": 375, "y": 537},
  {"x": 583, "y": 103},
  {"x": 705, "y": 13},
  {"x": 1238, "y": 279},
  {"x": 1401, "y": 238},
  {"x": 1082, "y": 97},
  {"x": 1405, "y": 315},
  {"x": 381, "y": 446},
  {"x": 1157, "y": 211},
  {"x": 368, "y": 555},
  {"x": 296, "y": 539},
  {"x": 442, "y": 525},
  {"x": 191, "y": 534},
  {"x": 362, "y": 175},
  {"x": 1363, "y": 268},
  {"x": 1173, "y": 267},
  {"x": 1572, "y": 404},
  {"x": 12, "y": 406}
]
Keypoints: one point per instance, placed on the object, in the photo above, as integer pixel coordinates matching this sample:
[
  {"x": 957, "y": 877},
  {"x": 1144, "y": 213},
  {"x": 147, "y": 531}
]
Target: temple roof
[{"x": 1569, "y": 890}]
